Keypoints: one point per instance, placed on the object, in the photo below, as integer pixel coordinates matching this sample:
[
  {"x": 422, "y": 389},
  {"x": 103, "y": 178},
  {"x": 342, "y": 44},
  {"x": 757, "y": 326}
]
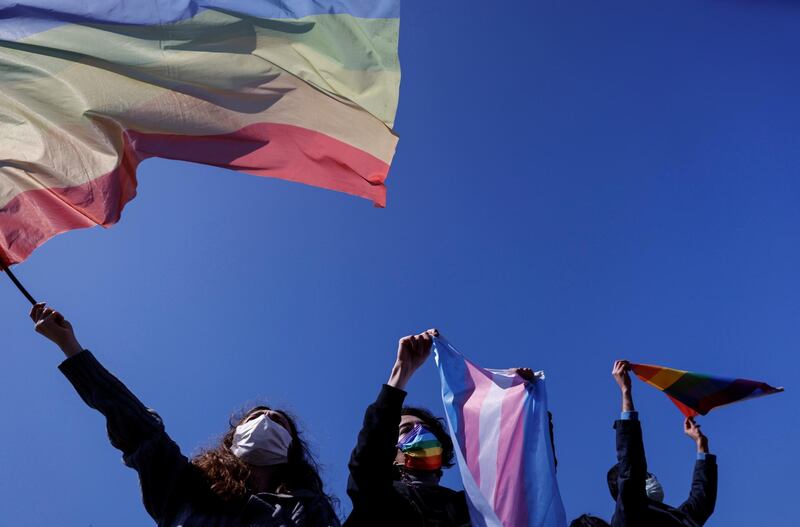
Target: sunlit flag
[
  {"x": 697, "y": 393},
  {"x": 304, "y": 90}
]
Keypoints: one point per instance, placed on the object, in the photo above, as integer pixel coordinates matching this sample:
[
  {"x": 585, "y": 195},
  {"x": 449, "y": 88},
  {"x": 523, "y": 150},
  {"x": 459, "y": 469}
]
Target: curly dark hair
[
  {"x": 438, "y": 426},
  {"x": 227, "y": 476}
]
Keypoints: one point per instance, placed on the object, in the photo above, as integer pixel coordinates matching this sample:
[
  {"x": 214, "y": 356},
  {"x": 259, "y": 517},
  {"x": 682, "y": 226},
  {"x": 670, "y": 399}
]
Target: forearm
[
  {"x": 703, "y": 496},
  {"x": 371, "y": 460},
  {"x": 627, "y": 400},
  {"x": 400, "y": 376},
  {"x": 129, "y": 422}
]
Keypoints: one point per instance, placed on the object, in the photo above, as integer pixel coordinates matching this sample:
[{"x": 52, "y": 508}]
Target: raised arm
[
  {"x": 703, "y": 496},
  {"x": 371, "y": 480},
  {"x": 132, "y": 428},
  {"x": 631, "y": 461}
]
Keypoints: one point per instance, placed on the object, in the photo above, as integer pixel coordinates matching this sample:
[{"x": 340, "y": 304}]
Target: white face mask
[
  {"x": 654, "y": 489},
  {"x": 261, "y": 442}
]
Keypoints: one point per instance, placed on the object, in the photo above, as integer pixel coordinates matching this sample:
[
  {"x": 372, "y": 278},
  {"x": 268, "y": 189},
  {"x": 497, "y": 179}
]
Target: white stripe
[{"x": 488, "y": 436}]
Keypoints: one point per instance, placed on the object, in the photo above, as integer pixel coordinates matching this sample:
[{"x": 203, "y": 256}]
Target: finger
[
  {"x": 525, "y": 373},
  {"x": 59, "y": 319},
  {"x": 36, "y": 311},
  {"x": 433, "y": 332}
]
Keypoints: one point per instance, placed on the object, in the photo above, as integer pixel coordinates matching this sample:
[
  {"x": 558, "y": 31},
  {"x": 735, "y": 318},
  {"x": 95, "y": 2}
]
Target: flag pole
[{"x": 17, "y": 283}]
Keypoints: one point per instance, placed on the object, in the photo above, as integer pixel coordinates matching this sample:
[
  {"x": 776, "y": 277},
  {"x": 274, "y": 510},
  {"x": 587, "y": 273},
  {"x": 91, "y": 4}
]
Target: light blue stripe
[
  {"x": 453, "y": 374},
  {"x": 21, "y": 19},
  {"x": 545, "y": 507}
]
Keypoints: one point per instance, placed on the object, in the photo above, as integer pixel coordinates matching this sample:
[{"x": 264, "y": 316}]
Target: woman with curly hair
[{"x": 261, "y": 474}]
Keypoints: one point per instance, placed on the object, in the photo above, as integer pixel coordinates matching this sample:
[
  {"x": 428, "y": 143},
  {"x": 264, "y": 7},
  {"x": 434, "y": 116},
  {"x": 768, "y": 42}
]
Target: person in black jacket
[
  {"x": 631, "y": 486},
  {"x": 387, "y": 486},
  {"x": 260, "y": 475}
]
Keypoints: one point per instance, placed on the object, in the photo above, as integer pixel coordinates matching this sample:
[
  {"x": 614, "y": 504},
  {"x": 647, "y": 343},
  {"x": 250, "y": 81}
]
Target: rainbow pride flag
[
  {"x": 501, "y": 431},
  {"x": 697, "y": 393},
  {"x": 304, "y": 90}
]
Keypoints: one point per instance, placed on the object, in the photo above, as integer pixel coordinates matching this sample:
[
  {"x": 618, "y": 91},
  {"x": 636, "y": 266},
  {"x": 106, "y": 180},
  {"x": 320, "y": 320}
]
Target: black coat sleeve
[
  {"x": 371, "y": 481},
  {"x": 132, "y": 428},
  {"x": 631, "y": 505},
  {"x": 703, "y": 497}
]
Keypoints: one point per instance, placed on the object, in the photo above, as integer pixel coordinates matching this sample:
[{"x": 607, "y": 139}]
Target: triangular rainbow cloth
[{"x": 698, "y": 393}]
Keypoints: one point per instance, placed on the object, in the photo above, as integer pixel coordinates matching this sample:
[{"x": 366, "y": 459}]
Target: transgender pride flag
[
  {"x": 500, "y": 427},
  {"x": 302, "y": 90}
]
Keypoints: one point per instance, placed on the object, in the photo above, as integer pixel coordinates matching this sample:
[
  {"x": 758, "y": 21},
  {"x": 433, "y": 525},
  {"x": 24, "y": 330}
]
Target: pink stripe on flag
[
  {"x": 472, "y": 418},
  {"x": 267, "y": 149},
  {"x": 509, "y": 503}
]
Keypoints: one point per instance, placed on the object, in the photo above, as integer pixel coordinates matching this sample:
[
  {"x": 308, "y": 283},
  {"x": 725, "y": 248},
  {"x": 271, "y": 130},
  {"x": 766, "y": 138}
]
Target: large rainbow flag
[
  {"x": 697, "y": 393},
  {"x": 501, "y": 431},
  {"x": 302, "y": 90}
]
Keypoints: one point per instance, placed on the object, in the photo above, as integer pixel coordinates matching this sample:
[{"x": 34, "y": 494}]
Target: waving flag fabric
[
  {"x": 501, "y": 431},
  {"x": 697, "y": 393},
  {"x": 304, "y": 90}
]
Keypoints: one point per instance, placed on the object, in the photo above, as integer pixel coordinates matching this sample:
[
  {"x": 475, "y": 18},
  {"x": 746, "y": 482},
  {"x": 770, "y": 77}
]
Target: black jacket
[
  {"x": 635, "y": 509},
  {"x": 174, "y": 491},
  {"x": 379, "y": 497}
]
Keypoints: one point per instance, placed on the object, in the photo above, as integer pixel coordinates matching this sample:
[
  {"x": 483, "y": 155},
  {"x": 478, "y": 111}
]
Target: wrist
[
  {"x": 400, "y": 376},
  {"x": 71, "y": 348},
  {"x": 702, "y": 445}
]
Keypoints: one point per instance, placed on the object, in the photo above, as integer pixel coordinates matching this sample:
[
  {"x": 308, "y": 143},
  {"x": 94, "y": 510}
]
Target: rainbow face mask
[{"x": 421, "y": 448}]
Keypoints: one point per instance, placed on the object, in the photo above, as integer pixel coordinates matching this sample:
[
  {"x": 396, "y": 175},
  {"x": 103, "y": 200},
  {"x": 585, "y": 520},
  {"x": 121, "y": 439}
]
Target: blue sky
[{"x": 581, "y": 180}]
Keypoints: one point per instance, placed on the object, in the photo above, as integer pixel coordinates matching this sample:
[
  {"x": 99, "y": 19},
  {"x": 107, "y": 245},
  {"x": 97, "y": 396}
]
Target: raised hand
[
  {"x": 412, "y": 352},
  {"x": 692, "y": 429},
  {"x": 621, "y": 374},
  {"x": 52, "y": 325},
  {"x": 526, "y": 373}
]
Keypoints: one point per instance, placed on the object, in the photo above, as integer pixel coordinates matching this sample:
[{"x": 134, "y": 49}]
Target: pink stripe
[
  {"x": 510, "y": 503},
  {"x": 35, "y": 216},
  {"x": 472, "y": 417},
  {"x": 274, "y": 150}
]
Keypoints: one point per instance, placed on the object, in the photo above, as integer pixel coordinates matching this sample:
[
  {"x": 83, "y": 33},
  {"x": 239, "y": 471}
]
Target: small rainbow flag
[
  {"x": 423, "y": 451},
  {"x": 697, "y": 393}
]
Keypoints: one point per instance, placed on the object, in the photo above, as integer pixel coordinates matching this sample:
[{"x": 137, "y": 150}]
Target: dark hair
[
  {"x": 439, "y": 429},
  {"x": 227, "y": 476},
  {"x": 612, "y": 478},
  {"x": 588, "y": 521}
]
